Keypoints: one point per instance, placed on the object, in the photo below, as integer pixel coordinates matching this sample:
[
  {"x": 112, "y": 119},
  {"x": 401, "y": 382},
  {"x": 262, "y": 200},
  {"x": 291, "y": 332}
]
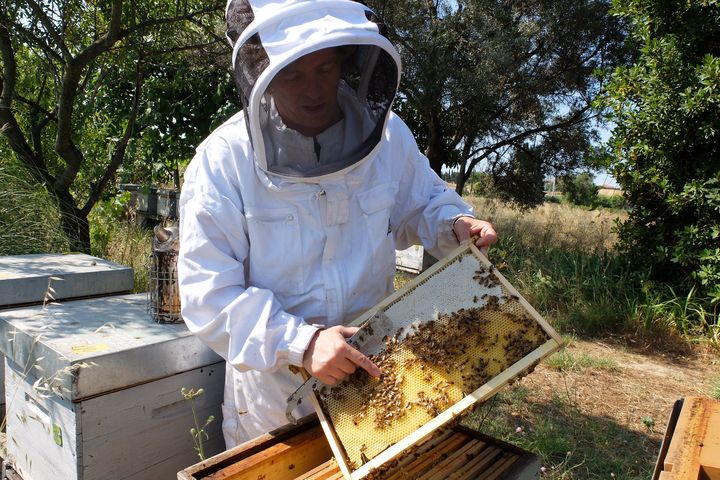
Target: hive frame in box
[{"x": 489, "y": 388}]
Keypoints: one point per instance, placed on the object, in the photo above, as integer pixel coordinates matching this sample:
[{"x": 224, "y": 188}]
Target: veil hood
[{"x": 268, "y": 35}]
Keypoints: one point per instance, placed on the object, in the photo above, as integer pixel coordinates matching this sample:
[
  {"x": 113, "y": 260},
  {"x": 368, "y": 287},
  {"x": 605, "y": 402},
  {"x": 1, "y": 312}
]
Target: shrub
[
  {"x": 665, "y": 149},
  {"x": 579, "y": 189}
]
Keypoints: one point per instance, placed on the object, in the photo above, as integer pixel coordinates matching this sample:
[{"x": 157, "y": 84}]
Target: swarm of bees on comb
[{"x": 429, "y": 365}]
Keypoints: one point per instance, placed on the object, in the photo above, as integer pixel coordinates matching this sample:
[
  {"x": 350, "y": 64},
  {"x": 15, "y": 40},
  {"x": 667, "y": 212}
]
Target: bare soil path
[
  {"x": 622, "y": 392},
  {"x": 640, "y": 391}
]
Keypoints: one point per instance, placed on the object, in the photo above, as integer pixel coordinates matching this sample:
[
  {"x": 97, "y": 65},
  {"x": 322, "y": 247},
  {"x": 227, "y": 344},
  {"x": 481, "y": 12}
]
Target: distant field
[
  {"x": 609, "y": 192},
  {"x": 605, "y": 191}
]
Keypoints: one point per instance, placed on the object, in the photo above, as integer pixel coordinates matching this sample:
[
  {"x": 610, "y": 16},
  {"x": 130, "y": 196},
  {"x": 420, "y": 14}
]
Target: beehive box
[
  {"x": 24, "y": 279},
  {"x": 691, "y": 447},
  {"x": 457, "y": 334},
  {"x": 301, "y": 452},
  {"x": 38, "y": 278},
  {"x": 93, "y": 391}
]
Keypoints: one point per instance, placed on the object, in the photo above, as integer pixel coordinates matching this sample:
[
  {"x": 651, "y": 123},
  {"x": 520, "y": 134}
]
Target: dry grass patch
[{"x": 559, "y": 226}]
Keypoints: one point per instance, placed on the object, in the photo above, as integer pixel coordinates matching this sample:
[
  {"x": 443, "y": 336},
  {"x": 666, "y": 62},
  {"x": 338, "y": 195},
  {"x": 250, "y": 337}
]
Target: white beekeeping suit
[{"x": 283, "y": 234}]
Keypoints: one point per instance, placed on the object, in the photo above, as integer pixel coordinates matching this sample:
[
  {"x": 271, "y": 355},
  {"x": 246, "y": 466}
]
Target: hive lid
[
  {"x": 461, "y": 332},
  {"x": 24, "y": 279},
  {"x": 87, "y": 347}
]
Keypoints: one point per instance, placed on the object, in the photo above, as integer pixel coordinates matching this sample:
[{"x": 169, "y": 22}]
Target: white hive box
[
  {"x": 24, "y": 279},
  {"x": 93, "y": 391}
]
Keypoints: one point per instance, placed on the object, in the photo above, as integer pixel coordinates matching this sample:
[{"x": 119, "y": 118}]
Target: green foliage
[
  {"x": 29, "y": 218},
  {"x": 521, "y": 180},
  {"x": 613, "y": 202},
  {"x": 562, "y": 259},
  {"x": 117, "y": 236},
  {"x": 665, "y": 149},
  {"x": 579, "y": 189},
  {"x": 482, "y": 184},
  {"x": 659, "y": 308},
  {"x": 184, "y": 103},
  {"x": 88, "y": 87},
  {"x": 503, "y": 86},
  {"x": 582, "y": 292}
]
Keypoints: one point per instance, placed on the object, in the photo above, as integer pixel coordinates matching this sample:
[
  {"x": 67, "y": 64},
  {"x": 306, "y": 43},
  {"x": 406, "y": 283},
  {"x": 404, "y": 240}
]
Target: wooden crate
[
  {"x": 301, "y": 452},
  {"x": 691, "y": 447}
]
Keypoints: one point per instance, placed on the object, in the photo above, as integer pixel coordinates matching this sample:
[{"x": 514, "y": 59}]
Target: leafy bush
[
  {"x": 579, "y": 189},
  {"x": 665, "y": 149},
  {"x": 614, "y": 202}
]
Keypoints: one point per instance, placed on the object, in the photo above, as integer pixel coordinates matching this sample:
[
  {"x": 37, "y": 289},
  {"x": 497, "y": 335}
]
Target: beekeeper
[{"x": 291, "y": 211}]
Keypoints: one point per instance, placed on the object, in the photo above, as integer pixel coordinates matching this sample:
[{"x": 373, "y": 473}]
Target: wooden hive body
[
  {"x": 301, "y": 452},
  {"x": 691, "y": 449}
]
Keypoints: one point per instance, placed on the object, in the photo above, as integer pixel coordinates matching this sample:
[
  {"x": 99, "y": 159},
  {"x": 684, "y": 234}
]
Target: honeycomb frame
[{"x": 427, "y": 382}]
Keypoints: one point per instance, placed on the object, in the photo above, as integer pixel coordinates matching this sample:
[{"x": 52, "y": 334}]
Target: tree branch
[
  {"x": 577, "y": 117},
  {"x": 49, "y": 28},
  {"x": 119, "y": 153},
  {"x": 64, "y": 145},
  {"x": 163, "y": 21},
  {"x": 8, "y": 124},
  {"x": 35, "y": 40}
]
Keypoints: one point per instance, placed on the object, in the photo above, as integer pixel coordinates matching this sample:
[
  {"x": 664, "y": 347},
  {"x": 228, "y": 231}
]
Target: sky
[{"x": 604, "y": 178}]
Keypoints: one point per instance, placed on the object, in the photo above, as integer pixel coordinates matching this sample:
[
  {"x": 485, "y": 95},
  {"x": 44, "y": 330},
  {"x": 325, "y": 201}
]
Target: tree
[
  {"x": 72, "y": 87},
  {"x": 665, "y": 149},
  {"x": 484, "y": 81},
  {"x": 580, "y": 189}
]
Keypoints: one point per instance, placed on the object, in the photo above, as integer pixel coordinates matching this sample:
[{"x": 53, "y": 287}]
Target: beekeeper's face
[{"x": 305, "y": 91}]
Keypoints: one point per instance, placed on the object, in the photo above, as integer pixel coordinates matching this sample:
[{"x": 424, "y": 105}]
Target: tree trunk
[
  {"x": 436, "y": 150},
  {"x": 74, "y": 223},
  {"x": 460, "y": 180}
]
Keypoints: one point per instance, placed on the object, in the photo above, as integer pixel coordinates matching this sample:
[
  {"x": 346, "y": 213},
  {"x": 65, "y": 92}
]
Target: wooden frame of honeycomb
[{"x": 460, "y": 333}]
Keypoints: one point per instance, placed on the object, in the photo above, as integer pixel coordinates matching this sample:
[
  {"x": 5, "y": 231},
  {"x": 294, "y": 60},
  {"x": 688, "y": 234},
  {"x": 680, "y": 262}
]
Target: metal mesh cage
[{"x": 163, "y": 287}]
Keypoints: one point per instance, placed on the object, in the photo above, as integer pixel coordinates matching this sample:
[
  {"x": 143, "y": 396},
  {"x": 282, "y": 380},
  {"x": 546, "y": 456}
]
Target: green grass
[
  {"x": 571, "y": 445},
  {"x": 715, "y": 388},
  {"x": 121, "y": 240},
  {"x": 29, "y": 217},
  {"x": 565, "y": 361},
  {"x": 562, "y": 261}
]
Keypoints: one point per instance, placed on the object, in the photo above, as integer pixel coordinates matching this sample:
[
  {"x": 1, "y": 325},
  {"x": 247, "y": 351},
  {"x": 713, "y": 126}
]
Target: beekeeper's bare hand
[
  {"x": 466, "y": 227},
  {"x": 330, "y": 359}
]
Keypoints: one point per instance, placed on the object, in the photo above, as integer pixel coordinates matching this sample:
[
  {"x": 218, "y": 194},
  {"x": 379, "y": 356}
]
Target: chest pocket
[
  {"x": 376, "y": 205},
  {"x": 275, "y": 260}
]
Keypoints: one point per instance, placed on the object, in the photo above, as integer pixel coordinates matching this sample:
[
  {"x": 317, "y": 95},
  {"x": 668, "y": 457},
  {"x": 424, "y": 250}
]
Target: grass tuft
[
  {"x": 29, "y": 217},
  {"x": 715, "y": 388},
  {"x": 122, "y": 240},
  {"x": 565, "y": 361},
  {"x": 561, "y": 259}
]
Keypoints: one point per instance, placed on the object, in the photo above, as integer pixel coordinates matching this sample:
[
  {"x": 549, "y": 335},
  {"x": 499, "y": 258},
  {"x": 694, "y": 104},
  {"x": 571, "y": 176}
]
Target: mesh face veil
[{"x": 317, "y": 80}]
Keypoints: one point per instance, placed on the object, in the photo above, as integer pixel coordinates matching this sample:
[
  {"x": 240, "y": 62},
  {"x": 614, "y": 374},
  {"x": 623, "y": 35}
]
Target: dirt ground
[{"x": 640, "y": 392}]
